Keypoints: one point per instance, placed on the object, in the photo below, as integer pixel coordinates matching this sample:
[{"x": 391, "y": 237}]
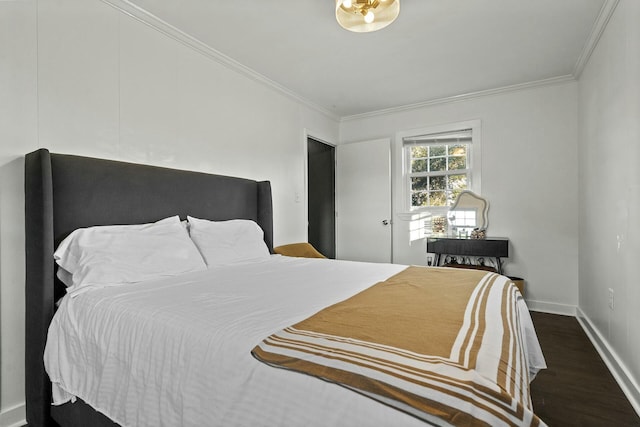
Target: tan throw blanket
[{"x": 441, "y": 344}]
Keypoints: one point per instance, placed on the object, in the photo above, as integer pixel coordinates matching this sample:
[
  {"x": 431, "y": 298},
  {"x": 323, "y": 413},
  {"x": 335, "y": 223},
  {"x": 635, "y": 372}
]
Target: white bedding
[{"x": 176, "y": 352}]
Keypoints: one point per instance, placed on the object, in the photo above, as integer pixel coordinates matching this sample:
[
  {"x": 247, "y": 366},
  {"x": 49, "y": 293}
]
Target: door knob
[{"x": 385, "y": 222}]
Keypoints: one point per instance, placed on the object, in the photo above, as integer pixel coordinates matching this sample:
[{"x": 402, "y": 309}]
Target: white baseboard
[
  {"x": 551, "y": 307},
  {"x": 618, "y": 369},
  {"x": 13, "y": 417}
]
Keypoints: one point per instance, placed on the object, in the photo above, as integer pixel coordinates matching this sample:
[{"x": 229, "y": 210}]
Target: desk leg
[{"x": 499, "y": 264}]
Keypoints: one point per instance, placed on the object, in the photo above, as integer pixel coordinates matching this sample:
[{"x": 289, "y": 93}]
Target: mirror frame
[{"x": 485, "y": 210}]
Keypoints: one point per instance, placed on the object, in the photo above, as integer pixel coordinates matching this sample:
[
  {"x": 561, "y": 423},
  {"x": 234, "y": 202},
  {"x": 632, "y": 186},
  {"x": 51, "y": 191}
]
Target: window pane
[
  {"x": 419, "y": 151},
  {"x": 453, "y": 195},
  {"x": 419, "y": 199},
  {"x": 419, "y": 183},
  {"x": 456, "y": 163},
  {"x": 437, "y": 198},
  {"x": 419, "y": 165},
  {"x": 437, "y": 150},
  {"x": 438, "y": 183},
  {"x": 438, "y": 164},
  {"x": 457, "y": 150},
  {"x": 457, "y": 182}
]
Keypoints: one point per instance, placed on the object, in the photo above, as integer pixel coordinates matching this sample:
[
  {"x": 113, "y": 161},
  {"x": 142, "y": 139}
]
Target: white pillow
[
  {"x": 228, "y": 242},
  {"x": 117, "y": 254},
  {"x": 65, "y": 277}
]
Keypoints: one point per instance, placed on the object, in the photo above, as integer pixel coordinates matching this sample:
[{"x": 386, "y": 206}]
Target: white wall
[
  {"x": 81, "y": 77},
  {"x": 609, "y": 153},
  {"x": 529, "y": 176},
  {"x": 18, "y": 135}
]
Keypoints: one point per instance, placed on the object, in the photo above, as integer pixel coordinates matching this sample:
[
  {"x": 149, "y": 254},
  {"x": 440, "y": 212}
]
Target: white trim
[
  {"x": 147, "y": 18},
  {"x": 614, "y": 363},
  {"x": 551, "y": 307},
  {"x": 463, "y": 97},
  {"x": 169, "y": 30},
  {"x": 14, "y": 416},
  {"x": 597, "y": 30},
  {"x": 618, "y": 369},
  {"x": 305, "y": 184}
]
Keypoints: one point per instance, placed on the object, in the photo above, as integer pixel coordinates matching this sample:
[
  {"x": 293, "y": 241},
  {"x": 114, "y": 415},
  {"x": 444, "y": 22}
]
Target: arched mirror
[{"x": 468, "y": 212}]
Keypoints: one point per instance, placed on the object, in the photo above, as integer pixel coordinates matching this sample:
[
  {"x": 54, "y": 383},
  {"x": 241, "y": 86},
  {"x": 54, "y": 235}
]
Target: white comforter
[{"x": 176, "y": 352}]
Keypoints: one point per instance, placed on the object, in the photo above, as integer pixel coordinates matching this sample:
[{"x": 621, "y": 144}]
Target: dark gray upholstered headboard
[{"x": 65, "y": 192}]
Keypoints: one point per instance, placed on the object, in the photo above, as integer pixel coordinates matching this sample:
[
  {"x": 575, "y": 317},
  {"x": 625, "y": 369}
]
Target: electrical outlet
[{"x": 611, "y": 299}]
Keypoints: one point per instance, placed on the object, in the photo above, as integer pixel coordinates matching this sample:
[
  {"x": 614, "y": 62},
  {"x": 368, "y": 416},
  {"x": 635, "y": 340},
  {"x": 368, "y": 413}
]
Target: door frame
[{"x": 306, "y": 134}]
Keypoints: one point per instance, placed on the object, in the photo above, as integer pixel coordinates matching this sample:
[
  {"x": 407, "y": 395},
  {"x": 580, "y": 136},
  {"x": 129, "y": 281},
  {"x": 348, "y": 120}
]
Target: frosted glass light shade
[{"x": 350, "y": 14}]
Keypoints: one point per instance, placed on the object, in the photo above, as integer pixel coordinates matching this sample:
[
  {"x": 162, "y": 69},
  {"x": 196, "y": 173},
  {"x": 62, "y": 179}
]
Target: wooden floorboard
[{"x": 577, "y": 389}]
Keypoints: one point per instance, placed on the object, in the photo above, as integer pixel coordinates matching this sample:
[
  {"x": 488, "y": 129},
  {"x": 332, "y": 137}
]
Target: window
[
  {"x": 438, "y": 164},
  {"x": 438, "y": 167}
]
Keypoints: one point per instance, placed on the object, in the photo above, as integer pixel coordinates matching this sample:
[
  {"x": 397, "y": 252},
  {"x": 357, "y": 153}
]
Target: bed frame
[{"x": 65, "y": 192}]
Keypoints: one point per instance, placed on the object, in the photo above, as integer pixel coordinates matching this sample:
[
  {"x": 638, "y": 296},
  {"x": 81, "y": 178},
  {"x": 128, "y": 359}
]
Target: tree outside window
[{"x": 438, "y": 169}]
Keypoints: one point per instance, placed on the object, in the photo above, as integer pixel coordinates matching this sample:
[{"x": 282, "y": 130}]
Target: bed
[{"x": 218, "y": 367}]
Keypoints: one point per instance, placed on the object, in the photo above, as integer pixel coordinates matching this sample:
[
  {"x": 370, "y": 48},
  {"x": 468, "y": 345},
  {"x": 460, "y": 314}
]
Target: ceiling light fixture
[{"x": 363, "y": 16}]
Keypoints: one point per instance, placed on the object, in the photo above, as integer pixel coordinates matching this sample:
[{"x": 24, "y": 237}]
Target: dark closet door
[{"x": 321, "y": 196}]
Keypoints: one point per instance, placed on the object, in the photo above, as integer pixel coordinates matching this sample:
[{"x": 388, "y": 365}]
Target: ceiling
[{"x": 435, "y": 49}]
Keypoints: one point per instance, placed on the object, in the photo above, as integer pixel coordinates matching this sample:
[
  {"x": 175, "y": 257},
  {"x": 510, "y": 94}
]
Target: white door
[{"x": 363, "y": 194}]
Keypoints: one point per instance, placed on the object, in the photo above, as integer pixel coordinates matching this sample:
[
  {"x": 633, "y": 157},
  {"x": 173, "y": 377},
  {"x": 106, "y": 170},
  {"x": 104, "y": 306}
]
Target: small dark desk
[{"x": 494, "y": 247}]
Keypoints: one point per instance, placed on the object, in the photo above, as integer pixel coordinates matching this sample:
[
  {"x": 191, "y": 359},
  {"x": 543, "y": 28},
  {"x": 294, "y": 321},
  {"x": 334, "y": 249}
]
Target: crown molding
[
  {"x": 169, "y": 30},
  {"x": 606, "y": 11},
  {"x": 149, "y": 19},
  {"x": 464, "y": 97},
  {"x": 598, "y": 28}
]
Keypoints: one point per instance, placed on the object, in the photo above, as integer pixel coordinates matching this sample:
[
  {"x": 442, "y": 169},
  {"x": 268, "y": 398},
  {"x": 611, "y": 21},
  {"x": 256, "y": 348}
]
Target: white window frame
[{"x": 402, "y": 163}]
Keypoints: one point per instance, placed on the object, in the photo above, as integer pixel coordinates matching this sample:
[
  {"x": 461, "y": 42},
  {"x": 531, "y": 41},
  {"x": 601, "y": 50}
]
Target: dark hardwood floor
[{"x": 577, "y": 389}]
